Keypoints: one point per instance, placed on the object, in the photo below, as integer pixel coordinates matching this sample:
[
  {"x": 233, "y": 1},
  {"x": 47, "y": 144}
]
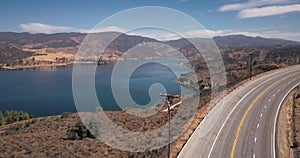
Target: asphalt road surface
[{"x": 242, "y": 124}]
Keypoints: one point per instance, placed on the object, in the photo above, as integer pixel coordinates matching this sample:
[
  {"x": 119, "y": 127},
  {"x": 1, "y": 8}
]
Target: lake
[{"x": 49, "y": 92}]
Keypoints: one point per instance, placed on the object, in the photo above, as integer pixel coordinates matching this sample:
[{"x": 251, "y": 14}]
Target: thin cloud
[
  {"x": 250, "y": 4},
  {"x": 44, "y": 28},
  {"x": 206, "y": 33},
  {"x": 156, "y": 34},
  {"x": 162, "y": 35},
  {"x": 182, "y": 1},
  {"x": 107, "y": 29},
  {"x": 268, "y": 11}
]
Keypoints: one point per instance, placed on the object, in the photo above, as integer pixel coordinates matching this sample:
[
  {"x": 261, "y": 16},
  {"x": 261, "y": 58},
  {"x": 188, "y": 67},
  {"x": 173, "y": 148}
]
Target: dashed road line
[
  {"x": 247, "y": 112},
  {"x": 214, "y": 142},
  {"x": 273, "y": 135}
]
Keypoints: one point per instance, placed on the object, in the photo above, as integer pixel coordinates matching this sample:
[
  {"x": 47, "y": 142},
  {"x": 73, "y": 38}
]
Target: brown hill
[{"x": 47, "y": 137}]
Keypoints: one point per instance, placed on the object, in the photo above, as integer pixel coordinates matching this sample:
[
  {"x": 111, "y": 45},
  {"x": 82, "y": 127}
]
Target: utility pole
[
  {"x": 169, "y": 99},
  {"x": 250, "y": 69}
]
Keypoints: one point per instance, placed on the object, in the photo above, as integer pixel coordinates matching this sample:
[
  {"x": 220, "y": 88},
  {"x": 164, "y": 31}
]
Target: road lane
[{"x": 255, "y": 136}]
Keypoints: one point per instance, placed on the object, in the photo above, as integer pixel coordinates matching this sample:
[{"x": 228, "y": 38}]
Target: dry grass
[{"x": 46, "y": 137}]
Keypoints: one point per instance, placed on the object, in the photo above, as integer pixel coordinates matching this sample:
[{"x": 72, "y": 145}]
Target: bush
[
  {"x": 2, "y": 119},
  {"x": 79, "y": 132},
  {"x": 14, "y": 116},
  {"x": 65, "y": 115},
  {"x": 94, "y": 128}
]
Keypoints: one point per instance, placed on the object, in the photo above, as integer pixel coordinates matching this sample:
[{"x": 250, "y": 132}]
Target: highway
[{"x": 245, "y": 126}]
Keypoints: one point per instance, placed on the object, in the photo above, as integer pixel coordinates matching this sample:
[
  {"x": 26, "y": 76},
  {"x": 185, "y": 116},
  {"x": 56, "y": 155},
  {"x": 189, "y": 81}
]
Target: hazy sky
[{"x": 268, "y": 18}]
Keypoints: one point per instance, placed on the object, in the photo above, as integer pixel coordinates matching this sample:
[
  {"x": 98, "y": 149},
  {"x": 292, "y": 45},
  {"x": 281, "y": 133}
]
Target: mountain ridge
[
  {"x": 234, "y": 41},
  {"x": 32, "y": 50}
]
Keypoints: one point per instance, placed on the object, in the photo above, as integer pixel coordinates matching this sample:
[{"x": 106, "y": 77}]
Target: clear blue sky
[{"x": 269, "y": 18}]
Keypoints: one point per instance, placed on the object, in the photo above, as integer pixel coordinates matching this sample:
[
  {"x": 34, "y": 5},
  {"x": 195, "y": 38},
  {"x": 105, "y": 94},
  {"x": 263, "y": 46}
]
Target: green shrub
[
  {"x": 14, "y": 116},
  {"x": 65, "y": 115},
  {"x": 2, "y": 119},
  {"x": 79, "y": 132}
]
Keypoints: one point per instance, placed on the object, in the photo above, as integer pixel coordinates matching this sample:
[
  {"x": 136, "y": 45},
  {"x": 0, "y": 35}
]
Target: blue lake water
[{"x": 49, "y": 92}]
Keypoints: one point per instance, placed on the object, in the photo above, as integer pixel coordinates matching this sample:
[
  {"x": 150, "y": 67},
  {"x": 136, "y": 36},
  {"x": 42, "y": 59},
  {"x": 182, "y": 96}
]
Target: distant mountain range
[
  {"x": 124, "y": 41},
  {"x": 19, "y": 45}
]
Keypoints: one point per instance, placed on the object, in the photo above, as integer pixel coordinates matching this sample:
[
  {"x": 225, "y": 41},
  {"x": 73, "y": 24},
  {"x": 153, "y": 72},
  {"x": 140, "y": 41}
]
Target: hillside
[
  {"x": 236, "y": 41},
  {"x": 25, "y": 50},
  {"x": 9, "y": 54},
  {"x": 47, "y": 137},
  {"x": 242, "y": 41},
  {"x": 70, "y": 42}
]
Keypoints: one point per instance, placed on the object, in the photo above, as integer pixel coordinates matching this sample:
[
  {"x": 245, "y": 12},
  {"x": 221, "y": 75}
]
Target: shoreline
[
  {"x": 42, "y": 66},
  {"x": 53, "y": 65}
]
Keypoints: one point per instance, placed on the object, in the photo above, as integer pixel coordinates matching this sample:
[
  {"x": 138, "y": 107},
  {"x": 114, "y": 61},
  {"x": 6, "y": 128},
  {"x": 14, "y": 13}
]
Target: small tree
[
  {"x": 65, "y": 115},
  {"x": 23, "y": 116},
  {"x": 79, "y": 132},
  {"x": 2, "y": 119},
  {"x": 11, "y": 116},
  {"x": 14, "y": 116}
]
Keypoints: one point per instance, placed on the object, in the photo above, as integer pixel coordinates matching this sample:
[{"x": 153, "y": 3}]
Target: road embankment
[{"x": 288, "y": 132}]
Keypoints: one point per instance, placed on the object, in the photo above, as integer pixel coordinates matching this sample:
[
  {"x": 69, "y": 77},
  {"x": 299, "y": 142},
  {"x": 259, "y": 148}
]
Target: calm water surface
[{"x": 49, "y": 92}]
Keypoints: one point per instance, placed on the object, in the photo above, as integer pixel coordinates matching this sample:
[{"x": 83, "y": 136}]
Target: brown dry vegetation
[
  {"x": 46, "y": 137},
  {"x": 289, "y": 123}
]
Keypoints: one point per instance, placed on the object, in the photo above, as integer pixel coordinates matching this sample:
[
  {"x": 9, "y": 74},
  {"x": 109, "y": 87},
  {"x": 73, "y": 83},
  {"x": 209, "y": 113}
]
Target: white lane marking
[
  {"x": 213, "y": 145},
  {"x": 257, "y": 125},
  {"x": 274, "y": 95},
  {"x": 276, "y": 117},
  {"x": 255, "y": 139},
  {"x": 265, "y": 106},
  {"x": 278, "y": 89},
  {"x": 236, "y": 105},
  {"x": 261, "y": 115},
  {"x": 271, "y": 146},
  {"x": 269, "y": 100},
  {"x": 253, "y": 155}
]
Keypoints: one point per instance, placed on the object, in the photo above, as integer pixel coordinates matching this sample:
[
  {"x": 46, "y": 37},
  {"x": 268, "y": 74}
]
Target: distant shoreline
[
  {"x": 42, "y": 66},
  {"x": 54, "y": 65}
]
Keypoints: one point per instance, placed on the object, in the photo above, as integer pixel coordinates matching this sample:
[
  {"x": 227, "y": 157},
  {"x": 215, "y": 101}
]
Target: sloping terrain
[
  {"x": 289, "y": 126},
  {"x": 47, "y": 137}
]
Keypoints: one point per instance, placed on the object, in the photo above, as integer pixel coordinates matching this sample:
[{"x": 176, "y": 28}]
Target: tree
[
  {"x": 14, "y": 116},
  {"x": 2, "y": 119},
  {"x": 79, "y": 132}
]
